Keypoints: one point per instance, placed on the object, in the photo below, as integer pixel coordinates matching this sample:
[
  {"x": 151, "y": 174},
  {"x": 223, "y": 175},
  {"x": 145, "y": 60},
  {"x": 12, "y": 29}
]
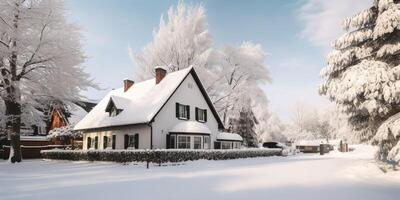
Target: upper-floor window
[
  {"x": 201, "y": 115},
  {"x": 112, "y": 109},
  {"x": 182, "y": 111}
]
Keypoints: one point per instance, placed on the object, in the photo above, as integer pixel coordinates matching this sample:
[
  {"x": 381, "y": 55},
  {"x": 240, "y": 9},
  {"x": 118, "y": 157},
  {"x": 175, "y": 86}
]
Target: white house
[{"x": 170, "y": 111}]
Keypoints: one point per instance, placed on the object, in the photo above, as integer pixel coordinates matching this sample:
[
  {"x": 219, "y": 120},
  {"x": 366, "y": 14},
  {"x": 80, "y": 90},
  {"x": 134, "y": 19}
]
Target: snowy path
[{"x": 334, "y": 176}]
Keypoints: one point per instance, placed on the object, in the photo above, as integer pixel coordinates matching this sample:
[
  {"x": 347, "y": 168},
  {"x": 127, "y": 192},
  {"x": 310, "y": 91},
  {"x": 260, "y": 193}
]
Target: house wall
[
  {"x": 142, "y": 129},
  {"x": 187, "y": 93}
]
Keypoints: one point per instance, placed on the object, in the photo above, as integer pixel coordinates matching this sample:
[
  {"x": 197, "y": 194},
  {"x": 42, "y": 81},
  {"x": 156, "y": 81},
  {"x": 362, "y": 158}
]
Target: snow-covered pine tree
[
  {"x": 40, "y": 57},
  {"x": 363, "y": 71}
]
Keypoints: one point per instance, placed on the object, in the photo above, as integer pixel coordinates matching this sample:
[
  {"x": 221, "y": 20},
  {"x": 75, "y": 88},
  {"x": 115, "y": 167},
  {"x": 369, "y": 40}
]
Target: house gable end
[{"x": 204, "y": 94}]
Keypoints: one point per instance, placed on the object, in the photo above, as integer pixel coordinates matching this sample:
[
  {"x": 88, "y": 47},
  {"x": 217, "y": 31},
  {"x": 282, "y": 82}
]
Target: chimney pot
[
  {"x": 161, "y": 71},
  {"x": 128, "y": 84}
]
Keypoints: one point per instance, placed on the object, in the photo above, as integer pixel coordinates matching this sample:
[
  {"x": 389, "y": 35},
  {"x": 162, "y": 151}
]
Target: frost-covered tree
[
  {"x": 182, "y": 40},
  {"x": 40, "y": 57},
  {"x": 363, "y": 71},
  {"x": 239, "y": 72},
  {"x": 274, "y": 131},
  {"x": 229, "y": 74}
]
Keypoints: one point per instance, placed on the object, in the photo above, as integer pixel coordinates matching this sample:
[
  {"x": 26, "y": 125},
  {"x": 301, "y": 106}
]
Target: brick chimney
[
  {"x": 128, "y": 84},
  {"x": 161, "y": 71}
]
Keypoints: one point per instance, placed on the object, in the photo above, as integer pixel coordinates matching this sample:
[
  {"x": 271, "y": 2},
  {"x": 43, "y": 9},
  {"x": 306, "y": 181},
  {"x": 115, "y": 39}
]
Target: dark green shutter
[
  {"x": 196, "y": 113},
  {"x": 126, "y": 138},
  {"x": 188, "y": 112},
  {"x": 89, "y": 142},
  {"x": 136, "y": 141},
  {"x": 96, "y": 142},
  {"x": 177, "y": 110},
  {"x": 105, "y": 142},
  {"x": 205, "y": 115},
  {"x": 114, "y": 138},
  {"x": 168, "y": 142}
]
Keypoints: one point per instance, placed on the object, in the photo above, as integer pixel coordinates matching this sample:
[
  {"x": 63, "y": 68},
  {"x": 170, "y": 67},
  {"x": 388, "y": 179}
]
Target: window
[
  {"x": 107, "y": 142},
  {"x": 94, "y": 143},
  {"x": 182, "y": 111},
  {"x": 201, "y": 115},
  {"x": 236, "y": 145},
  {"x": 132, "y": 141},
  {"x": 197, "y": 142},
  {"x": 114, "y": 112},
  {"x": 226, "y": 145},
  {"x": 112, "y": 109},
  {"x": 206, "y": 142},
  {"x": 183, "y": 142}
]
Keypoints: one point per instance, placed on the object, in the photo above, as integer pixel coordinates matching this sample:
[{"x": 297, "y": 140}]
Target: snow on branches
[{"x": 362, "y": 75}]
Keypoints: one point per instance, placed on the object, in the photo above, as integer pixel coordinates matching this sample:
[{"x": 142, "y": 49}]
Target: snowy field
[{"x": 335, "y": 176}]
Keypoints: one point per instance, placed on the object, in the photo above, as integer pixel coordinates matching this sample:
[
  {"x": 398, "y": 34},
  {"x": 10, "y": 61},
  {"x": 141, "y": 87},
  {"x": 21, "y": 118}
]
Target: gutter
[{"x": 151, "y": 134}]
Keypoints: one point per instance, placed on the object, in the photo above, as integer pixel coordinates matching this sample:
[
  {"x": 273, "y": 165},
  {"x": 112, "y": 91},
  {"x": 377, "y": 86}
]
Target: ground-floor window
[
  {"x": 197, "y": 142},
  {"x": 236, "y": 145},
  {"x": 132, "y": 141},
  {"x": 226, "y": 145},
  {"x": 107, "y": 142},
  {"x": 183, "y": 142}
]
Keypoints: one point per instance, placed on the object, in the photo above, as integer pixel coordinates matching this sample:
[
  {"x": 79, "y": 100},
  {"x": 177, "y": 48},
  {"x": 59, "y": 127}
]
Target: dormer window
[
  {"x": 114, "y": 112},
  {"x": 112, "y": 109}
]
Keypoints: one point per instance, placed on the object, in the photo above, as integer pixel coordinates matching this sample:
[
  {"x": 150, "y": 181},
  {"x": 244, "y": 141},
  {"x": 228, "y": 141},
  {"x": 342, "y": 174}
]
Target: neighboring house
[
  {"x": 169, "y": 111},
  {"x": 313, "y": 146}
]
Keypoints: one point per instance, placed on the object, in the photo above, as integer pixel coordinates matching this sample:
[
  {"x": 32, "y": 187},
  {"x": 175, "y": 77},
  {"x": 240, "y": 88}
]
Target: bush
[{"x": 157, "y": 156}]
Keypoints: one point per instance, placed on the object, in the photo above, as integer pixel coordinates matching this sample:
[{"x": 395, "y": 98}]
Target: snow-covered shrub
[
  {"x": 388, "y": 140},
  {"x": 157, "y": 156}
]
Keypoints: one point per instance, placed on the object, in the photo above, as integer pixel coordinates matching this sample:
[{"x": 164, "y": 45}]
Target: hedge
[{"x": 157, "y": 156}]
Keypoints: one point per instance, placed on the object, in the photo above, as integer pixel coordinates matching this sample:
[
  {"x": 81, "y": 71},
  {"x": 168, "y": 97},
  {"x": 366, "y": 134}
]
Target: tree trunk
[{"x": 13, "y": 113}]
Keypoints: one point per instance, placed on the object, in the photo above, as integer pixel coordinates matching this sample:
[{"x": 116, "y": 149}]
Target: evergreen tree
[
  {"x": 363, "y": 72},
  {"x": 244, "y": 125}
]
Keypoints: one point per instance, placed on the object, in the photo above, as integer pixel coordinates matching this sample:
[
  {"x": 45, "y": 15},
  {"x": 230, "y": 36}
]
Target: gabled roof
[{"x": 141, "y": 103}]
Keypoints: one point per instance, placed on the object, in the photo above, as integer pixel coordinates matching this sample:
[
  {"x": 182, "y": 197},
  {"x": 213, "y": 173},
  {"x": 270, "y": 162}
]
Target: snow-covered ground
[{"x": 335, "y": 176}]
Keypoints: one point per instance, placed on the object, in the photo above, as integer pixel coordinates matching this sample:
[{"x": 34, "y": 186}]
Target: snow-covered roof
[
  {"x": 229, "y": 136},
  {"x": 140, "y": 103},
  {"x": 77, "y": 114},
  {"x": 161, "y": 67},
  {"x": 34, "y": 138},
  {"x": 190, "y": 127}
]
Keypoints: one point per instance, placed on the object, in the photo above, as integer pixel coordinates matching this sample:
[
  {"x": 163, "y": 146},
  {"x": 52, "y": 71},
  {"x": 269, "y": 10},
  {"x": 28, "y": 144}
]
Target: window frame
[
  {"x": 199, "y": 142},
  {"x": 182, "y": 111},
  {"x": 226, "y": 143},
  {"x": 201, "y": 115},
  {"x": 186, "y": 142}
]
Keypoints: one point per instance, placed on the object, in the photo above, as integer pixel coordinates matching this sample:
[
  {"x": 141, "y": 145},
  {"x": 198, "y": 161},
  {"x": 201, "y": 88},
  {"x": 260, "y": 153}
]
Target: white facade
[
  {"x": 149, "y": 113},
  {"x": 143, "y": 130},
  {"x": 188, "y": 93}
]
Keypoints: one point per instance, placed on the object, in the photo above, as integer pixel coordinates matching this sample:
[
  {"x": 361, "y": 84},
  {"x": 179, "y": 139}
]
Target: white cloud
[{"x": 322, "y": 19}]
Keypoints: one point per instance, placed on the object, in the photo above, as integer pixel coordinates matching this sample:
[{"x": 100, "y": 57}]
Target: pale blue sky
[{"x": 296, "y": 34}]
